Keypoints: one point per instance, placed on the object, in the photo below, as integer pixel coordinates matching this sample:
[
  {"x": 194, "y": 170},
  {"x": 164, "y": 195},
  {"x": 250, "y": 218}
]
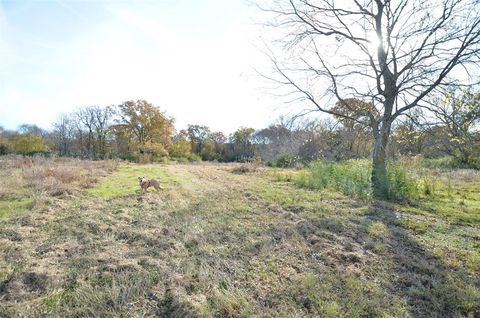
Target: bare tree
[
  {"x": 85, "y": 120},
  {"x": 94, "y": 121},
  {"x": 63, "y": 134},
  {"x": 32, "y": 129},
  {"x": 101, "y": 123},
  {"x": 390, "y": 53}
]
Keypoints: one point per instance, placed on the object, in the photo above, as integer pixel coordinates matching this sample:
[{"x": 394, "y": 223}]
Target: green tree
[
  {"x": 150, "y": 129},
  {"x": 242, "y": 142},
  {"x": 219, "y": 140},
  {"x": 28, "y": 143},
  {"x": 208, "y": 150},
  {"x": 4, "y": 142},
  {"x": 181, "y": 147},
  {"x": 198, "y": 135}
]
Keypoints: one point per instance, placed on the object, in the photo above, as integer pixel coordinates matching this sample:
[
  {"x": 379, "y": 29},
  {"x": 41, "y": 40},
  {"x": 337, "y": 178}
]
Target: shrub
[
  {"x": 194, "y": 157},
  {"x": 244, "y": 168},
  {"x": 3, "y": 149},
  {"x": 28, "y": 144},
  {"x": 181, "y": 149},
  {"x": 284, "y": 160},
  {"x": 127, "y": 156}
]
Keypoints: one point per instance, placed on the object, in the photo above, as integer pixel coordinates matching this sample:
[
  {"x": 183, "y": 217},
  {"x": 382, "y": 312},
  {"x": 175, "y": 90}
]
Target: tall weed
[
  {"x": 353, "y": 177},
  {"x": 350, "y": 177},
  {"x": 401, "y": 185}
]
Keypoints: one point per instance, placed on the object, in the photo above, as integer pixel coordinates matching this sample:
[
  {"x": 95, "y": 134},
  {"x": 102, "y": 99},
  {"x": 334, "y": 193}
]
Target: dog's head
[{"x": 142, "y": 179}]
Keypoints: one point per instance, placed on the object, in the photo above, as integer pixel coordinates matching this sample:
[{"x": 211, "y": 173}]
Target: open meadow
[{"x": 78, "y": 238}]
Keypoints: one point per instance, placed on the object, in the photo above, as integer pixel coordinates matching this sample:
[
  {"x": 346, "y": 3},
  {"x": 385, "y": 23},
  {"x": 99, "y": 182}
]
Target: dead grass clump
[
  {"x": 463, "y": 175},
  {"x": 40, "y": 178},
  {"x": 245, "y": 168},
  {"x": 61, "y": 176},
  {"x": 11, "y": 182}
]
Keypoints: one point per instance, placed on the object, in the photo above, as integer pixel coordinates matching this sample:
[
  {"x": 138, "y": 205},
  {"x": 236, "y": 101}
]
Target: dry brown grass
[
  {"x": 65, "y": 175},
  {"x": 244, "y": 168},
  {"x": 40, "y": 178}
]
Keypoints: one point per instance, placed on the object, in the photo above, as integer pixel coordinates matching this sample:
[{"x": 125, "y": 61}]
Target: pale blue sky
[{"x": 193, "y": 58}]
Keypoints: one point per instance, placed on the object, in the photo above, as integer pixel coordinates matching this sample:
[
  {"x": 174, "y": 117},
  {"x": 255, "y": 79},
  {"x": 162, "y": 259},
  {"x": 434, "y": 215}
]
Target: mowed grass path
[{"x": 215, "y": 243}]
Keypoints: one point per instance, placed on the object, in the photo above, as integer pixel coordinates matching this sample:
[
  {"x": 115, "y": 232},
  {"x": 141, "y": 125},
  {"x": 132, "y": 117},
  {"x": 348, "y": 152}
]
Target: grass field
[{"x": 223, "y": 244}]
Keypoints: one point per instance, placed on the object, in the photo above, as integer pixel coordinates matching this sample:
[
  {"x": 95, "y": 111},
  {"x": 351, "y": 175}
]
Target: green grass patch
[
  {"x": 124, "y": 181},
  {"x": 461, "y": 205},
  {"x": 10, "y": 207},
  {"x": 415, "y": 226},
  {"x": 377, "y": 229}
]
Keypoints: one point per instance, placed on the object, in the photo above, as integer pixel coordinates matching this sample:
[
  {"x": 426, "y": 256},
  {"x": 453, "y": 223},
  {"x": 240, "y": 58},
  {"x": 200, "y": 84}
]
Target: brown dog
[{"x": 145, "y": 184}]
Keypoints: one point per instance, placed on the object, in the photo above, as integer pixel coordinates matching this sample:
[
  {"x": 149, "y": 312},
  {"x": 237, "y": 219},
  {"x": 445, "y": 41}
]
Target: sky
[{"x": 195, "y": 59}]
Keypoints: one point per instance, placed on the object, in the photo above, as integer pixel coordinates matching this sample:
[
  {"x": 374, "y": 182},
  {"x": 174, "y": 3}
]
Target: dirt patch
[{"x": 35, "y": 282}]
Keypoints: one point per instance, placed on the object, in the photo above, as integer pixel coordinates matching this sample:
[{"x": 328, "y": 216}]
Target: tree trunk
[{"x": 379, "y": 167}]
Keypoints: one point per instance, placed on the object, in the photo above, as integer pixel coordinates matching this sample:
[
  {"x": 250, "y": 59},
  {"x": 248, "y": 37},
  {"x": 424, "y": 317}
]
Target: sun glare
[{"x": 373, "y": 41}]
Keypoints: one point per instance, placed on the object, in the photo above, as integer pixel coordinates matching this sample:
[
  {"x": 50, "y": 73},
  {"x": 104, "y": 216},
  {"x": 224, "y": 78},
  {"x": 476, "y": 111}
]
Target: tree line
[{"x": 139, "y": 131}]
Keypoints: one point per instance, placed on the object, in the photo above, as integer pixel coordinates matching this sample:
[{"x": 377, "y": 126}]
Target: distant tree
[
  {"x": 459, "y": 114},
  {"x": 198, "y": 135},
  {"x": 101, "y": 124},
  {"x": 409, "y": 134},
  {"x": 122, "y": 143},
  {"x": 208, "y": 150},
  {"x": 181, "y": 146},
  {"x": 32, "y": 129},
  {"x": 356, "y": 130},
  {"x": 4, "y": 149},
  {"x": 151, "y": 129},
  {"x": 93, "y": 126},
  {"x": 436, "y": 141},
  {"x": 321, "y": 140},
  {"x": 219, "y": 140},
  {"x": 28, "y": 144},
  {"x": 85, "y": 124},
  {"x": 393, "y": 54},
  {"x": 4, "y": 144},
  {"x": 63, "y": 134},
  {"x": 242, "y": 143},
  {"x": 276, "y": 139}
]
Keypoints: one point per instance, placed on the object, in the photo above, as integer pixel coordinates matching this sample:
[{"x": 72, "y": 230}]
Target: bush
[
  {"x": 181, "y": 149},
  {"x": 194, "y": 157},
  {"x": 3, "y": 149},
  {"x": 127, "y": 156},
  {"x": 284, "y": 160},
  {"x": 244, "y": 168},
  {"x": 28, "y": 144}
]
